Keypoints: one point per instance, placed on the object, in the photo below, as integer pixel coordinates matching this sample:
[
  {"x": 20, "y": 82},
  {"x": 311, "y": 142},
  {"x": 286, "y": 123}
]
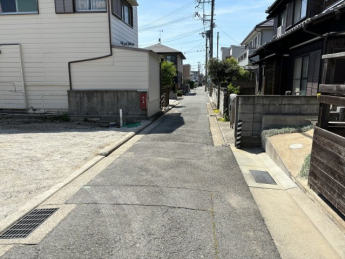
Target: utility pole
[
  {"x": 211, "y": 29},
  {"x": 206, "y": 64},
  {"x": 198, "y": 70},
  {"x": 208, "y": 34},
  {"x": 217, "y": 43}
]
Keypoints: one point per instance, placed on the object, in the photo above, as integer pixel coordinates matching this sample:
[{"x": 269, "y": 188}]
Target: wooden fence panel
[{"x": 327, "y": 167}]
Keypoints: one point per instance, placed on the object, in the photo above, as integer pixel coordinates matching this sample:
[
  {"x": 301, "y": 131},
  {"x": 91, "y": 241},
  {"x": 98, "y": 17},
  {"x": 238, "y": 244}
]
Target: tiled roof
[
  {"x": 338, "y": 5},
  {"x": 266, "y": 23},
  {"x": 160, "y": 48},
  {"x": 274, "y": 3}
]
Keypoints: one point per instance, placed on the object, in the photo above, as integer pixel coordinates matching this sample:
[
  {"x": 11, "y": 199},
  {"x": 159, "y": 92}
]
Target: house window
[
  {"x": 90, "y": 5},
  {"x": 171, "y": 58},
  {"x": 124, "y": 11},
  {"x": 300, "y": 77},
  {"x": 300, "y": 10},
  {"x": 282, "y": 20},
  {"x": 18, "y": 6}
]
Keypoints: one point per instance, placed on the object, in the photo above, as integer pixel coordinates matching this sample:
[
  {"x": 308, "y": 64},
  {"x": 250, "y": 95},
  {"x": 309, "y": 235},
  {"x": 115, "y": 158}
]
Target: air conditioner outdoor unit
[{"x": 279, "y": 31}]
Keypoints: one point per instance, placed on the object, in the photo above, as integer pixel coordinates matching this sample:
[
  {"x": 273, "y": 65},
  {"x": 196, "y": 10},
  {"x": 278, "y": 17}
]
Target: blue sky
[{"x": 234, "y": 20}]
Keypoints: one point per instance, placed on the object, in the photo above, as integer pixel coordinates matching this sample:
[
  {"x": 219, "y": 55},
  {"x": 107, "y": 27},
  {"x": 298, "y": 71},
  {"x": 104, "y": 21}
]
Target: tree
[
  {"x": 167, "y": 74},
  {"x": 225, "y": 71}
]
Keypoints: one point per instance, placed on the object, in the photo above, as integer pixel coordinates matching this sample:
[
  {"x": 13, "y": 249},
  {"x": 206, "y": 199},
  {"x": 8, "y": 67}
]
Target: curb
[
  {"x": 273, "y": 154},
  {"x": 39, "y": 199}
]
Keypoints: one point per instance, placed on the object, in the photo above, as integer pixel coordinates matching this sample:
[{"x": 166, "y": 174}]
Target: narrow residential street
[{"x": 171, "y": 194}]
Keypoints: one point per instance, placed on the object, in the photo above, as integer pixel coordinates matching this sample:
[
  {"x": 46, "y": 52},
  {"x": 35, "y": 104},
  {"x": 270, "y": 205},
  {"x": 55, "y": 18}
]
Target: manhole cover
[
  {"x": 262, "y": 177},
  {"x": 28, "y": 223},
  {"x": 296, "y": 146}
]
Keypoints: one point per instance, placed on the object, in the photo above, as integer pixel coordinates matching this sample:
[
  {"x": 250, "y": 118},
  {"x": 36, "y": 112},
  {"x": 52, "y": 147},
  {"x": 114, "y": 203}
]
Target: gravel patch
[{"x": 38, "y": 154}]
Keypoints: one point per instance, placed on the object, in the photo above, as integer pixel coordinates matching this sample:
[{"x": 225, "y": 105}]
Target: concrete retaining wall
[
  {"x": 261, "y": 112},
  {"x": 105, "y": 103}
]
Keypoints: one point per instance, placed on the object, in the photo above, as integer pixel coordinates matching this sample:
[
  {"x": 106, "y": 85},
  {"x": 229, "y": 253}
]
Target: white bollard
[{"x": 120, "y": 118}]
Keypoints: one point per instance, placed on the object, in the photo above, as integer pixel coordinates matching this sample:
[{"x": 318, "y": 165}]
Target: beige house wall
[{"x": 48, "y": 42}]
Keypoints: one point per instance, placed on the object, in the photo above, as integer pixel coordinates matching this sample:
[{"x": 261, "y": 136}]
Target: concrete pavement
[
  {"x": 167, "y": 193},
  {"x": 299, "y": 227}
]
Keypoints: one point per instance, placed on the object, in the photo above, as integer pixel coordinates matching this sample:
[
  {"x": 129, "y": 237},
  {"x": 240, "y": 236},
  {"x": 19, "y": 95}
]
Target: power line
[
  {"x": 163, "y": 24},
  {"x": 228, "y": 35},
  {"x": 184, "y": 35},
  {"x": 167, "y": 15},
  {"x": 197, "y": 46}
]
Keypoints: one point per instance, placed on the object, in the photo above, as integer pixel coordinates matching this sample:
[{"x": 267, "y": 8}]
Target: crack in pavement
[
  {"x": 154, "y": 186},
  {"x": 139, "y": 205},
  {"x": 215, "y": 240}
]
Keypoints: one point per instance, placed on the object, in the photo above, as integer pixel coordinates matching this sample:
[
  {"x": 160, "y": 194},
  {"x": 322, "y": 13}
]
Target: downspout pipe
[{"x": 91, "y": 59}]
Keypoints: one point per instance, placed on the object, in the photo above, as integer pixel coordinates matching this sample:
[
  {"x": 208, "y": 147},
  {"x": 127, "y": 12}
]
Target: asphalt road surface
[{"x": 171, "y": 195}]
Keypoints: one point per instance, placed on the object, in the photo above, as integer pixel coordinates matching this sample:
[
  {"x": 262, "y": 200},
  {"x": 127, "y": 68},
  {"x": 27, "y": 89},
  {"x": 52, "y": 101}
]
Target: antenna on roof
[{"x": 160, "y": 36}]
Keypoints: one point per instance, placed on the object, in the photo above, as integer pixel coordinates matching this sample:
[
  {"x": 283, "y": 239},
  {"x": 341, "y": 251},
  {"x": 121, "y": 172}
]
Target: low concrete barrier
[
  {"x": 105, "y": 103},
  {"x": 259, "y": 112}
]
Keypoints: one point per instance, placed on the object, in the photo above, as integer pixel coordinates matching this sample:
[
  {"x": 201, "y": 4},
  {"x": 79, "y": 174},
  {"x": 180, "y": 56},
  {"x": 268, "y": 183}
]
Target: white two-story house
[
  {"x": 75, "y": 55},
  {"x": 233, "y": 51},
  {"x": 262, "y": 33}
]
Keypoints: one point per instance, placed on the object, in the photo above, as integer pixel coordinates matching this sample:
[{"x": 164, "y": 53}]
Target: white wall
[
  {"x": 225, "y": 52},
  {"x": 236, "y": 51},
  {"x": 12, "y": 93},
  {"x": 49, "y": 41},
  {"x": 266, "y": 36},
  {"x": 127, "y": 69},
  {"x": 123, "y": 32}
]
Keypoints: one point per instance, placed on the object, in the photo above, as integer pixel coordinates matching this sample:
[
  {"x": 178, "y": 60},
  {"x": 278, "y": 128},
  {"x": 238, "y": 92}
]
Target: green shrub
[
  {"x": 284, "y": 130},
  {"x": 304, "y": 173},
  {"x": 168, "y": 71},
  {"x": 59, "y": 117},
  {"x": 233, "y": 90}
]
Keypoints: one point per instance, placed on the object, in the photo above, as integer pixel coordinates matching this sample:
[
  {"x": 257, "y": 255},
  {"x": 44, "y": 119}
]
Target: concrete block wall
[
  {"x": 105, "y": 103},
  {"x": 214, "y": 99},
  {"x": 287, "y": 110},
  {"x": 214, "y": 96}
]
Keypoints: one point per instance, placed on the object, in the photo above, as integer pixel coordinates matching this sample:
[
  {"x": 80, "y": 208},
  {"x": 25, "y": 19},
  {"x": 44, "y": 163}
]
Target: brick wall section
[{"x": 251, "y": 109}]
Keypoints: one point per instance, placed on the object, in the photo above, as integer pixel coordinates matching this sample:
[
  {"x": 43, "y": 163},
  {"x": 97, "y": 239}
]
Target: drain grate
[
  {"x": 262, "y": 177},
  {"x": 28, "y": 223}
]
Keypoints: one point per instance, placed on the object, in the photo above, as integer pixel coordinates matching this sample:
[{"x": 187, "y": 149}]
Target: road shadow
[{"x": 168, "y": 124}]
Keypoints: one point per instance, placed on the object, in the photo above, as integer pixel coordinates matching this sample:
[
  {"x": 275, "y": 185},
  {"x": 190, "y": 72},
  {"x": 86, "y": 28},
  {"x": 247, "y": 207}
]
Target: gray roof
[
  {"x": 269, "y": 9},
  {"x": 264, "y": 24},
  {"x": 267, "y": 23},
  {"x": 160, "y": 49},
  {"x": 333, "y": 8}
]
